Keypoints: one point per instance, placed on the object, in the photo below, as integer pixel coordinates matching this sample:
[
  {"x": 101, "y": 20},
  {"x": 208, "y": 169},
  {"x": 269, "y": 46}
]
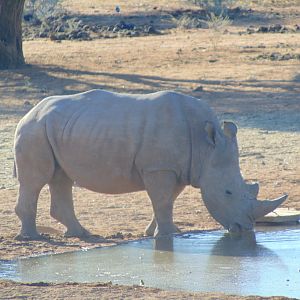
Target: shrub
[
  {"x": 189, "y": 22},
  {"x": 41, "y": 8},
  {"x": 217, "y": 24},
  {"x": 217, "y": 7}
]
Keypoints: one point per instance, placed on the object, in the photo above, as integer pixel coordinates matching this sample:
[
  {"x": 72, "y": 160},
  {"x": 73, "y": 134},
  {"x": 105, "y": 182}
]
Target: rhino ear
[
  {"x": 210, "y": 133},
  {"x": 213, "y": 137},
  {"x": 230, "y": 129}
]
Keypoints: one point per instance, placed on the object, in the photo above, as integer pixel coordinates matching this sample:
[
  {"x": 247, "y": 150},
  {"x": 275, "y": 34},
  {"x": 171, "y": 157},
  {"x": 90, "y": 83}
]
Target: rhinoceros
[{"x": 119, "y": 143}]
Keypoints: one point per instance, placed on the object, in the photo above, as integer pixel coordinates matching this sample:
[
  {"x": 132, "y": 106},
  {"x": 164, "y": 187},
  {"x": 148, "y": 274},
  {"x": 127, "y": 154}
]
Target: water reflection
[
  {"x": 164, "y": 243},
  {"x": 240, "y": 245},
  {"x": 243, "y": 263},
  {"x": 164, "y": 250}
]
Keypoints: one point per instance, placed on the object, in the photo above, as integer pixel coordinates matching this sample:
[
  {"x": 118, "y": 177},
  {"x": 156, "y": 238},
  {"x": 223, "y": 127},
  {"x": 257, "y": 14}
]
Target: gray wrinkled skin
[{"x": 119, "y": 143}]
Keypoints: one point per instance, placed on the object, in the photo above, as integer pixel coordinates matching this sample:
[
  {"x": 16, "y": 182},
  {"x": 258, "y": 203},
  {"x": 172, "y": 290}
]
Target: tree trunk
[{"x": 11, "y": 53}]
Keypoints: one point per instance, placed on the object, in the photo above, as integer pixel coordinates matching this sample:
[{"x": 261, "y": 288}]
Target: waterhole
[{"x": 266, "y": 263}]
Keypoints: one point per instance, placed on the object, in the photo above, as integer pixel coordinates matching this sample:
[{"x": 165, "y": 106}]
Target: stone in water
[{"x": 281, "y": 215}]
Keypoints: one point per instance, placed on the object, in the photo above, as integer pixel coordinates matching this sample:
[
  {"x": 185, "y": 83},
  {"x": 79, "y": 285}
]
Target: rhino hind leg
[
  {"x": 26, "y": 209},
  {"x": 34, "y": 168},
  {"x": 162, "y": 188},
  {"x": 62, "y": 208}
]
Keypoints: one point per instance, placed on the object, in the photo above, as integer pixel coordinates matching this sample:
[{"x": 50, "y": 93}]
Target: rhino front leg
[
  {"x": 162, "y": 188},
  {"x": 150, "y": 229},
  {"x": 62, "y": 208}
]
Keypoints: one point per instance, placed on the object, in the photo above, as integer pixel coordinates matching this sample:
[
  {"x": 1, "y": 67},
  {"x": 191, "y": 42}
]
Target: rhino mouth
[{"x": 238, "y": 228}]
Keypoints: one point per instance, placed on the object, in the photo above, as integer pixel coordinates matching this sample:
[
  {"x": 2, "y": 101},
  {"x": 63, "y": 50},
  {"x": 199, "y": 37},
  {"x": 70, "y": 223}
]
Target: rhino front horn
[{"x": 262, "y": 208}]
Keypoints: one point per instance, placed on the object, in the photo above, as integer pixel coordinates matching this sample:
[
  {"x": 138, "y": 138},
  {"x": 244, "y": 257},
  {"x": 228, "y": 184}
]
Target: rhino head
[{"x": 229, "y": 199}]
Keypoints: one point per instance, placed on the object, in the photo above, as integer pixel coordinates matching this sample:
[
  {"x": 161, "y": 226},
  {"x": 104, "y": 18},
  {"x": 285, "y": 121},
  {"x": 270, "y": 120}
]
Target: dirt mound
[
  {"x": 276, "y": 56},
  {"x": 275, "y": 28},
  {"x": 67, "y": 27}
]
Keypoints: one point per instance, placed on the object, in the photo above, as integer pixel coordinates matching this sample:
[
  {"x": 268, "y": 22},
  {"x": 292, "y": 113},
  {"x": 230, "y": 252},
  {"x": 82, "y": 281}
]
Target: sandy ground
[{"x": 261, "y": 95}]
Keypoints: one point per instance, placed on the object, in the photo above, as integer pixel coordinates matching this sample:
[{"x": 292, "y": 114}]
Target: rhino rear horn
[{"x": 262, "y": 208}]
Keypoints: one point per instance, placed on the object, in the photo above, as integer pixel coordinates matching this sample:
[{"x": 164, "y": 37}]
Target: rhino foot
[
  {"x": 165, "y": 230},
  {"x": 81, "y": 232},
  {"x": 152, "y": 231},
  {"x": 30, "y": 237}
]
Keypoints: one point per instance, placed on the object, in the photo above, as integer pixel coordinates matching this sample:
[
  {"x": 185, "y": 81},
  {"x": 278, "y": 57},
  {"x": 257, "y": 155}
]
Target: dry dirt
[{"x": 260, "y": 94}]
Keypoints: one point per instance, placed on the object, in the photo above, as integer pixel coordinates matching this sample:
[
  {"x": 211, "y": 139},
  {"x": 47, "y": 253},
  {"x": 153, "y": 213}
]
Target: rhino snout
[{"x": 238, "y": 228}]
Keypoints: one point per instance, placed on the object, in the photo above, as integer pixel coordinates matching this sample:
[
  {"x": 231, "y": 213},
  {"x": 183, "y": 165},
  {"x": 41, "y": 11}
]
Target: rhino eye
[{"x": 228, "y": 192}]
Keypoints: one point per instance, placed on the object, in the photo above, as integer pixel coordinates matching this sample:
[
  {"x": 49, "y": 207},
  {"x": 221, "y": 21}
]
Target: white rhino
[{"x": 118, "y": 143}]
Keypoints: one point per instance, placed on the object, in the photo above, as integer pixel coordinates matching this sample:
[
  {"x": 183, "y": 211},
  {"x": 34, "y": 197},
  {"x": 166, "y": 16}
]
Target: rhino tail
[{"x": 14, "y": 170}]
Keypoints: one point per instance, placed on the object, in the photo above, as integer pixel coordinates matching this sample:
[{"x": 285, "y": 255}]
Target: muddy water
[{"x": 267, "y": 263}]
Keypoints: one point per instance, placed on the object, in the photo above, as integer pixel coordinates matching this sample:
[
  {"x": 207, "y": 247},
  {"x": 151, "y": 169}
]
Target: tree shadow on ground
[{"x": 250, "y": 101}]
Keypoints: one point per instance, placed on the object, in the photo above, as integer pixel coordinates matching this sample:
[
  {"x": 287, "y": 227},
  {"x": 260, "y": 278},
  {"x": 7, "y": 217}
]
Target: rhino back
[{"x": 105, "y": 141}]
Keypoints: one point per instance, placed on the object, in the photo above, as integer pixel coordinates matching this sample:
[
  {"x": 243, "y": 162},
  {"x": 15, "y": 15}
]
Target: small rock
[
  {"x": 64, "y": 17},
  {"x": 36, "y": 22},
  {"x": 80, "y": 23},
  {"x": 28, "y": 17},
  {"x": 150, "y": 30},
  {"x": 198, "y": 89},
  {"x": 275, "y": 28},
  {"x": 250, "y": 30},
  {"x": 43, "y": 34},
  {"x": 61, "y": 37},
  {"x": 261, "y": 46},
  {"x": 287, "y": 56},
  {"x": 263, "y": 29},
  {"x": 82, "y": 35},
  {"x": 52, "y": 36},
  {"x": 60, "y": 28},
  {"x": 179, "y": 51},
  {"x": 45, "y": 28},
  {"x": 134, "y": 33},
  {"x": 275, "y": 56},
  {"x": 118, "y": 235},
  {"x": 115, "y": 29},
  {"x": 50, "y": 19},
  {"x": 27, "y": 103}
]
